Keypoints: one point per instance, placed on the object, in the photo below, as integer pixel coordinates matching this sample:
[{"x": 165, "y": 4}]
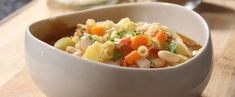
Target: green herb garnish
[
  {"x": 117, "y": 55},
  {"x": 121, "y": 34},
  {"x": 170, "y": 37},
  {"x": 136, "y": 33},
  {"x": 91, "y": 38},
  {"x": 112, "y": 39},
  {"x": 172, "y": 47}
]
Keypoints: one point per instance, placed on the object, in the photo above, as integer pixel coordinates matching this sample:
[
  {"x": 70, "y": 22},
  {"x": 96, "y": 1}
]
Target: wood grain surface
[{"x": 15, "y": 81}]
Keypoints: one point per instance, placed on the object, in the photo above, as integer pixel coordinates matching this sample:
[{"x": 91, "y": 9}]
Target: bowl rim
[{"x": 203, "y": 22}]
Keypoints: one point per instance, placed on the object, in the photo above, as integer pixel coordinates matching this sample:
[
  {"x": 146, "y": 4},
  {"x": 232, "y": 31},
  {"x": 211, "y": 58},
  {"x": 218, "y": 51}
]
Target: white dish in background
[{"x": 59, "y": 74}]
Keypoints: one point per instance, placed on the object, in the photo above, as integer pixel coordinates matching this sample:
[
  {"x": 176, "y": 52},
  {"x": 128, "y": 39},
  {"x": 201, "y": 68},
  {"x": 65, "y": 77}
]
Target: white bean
[
  {"x": 168, "y": 56},
  {"x": 143, "y": 63},
  {"x": 157, "y": 62},
  {"x": 182, "y": 58}
]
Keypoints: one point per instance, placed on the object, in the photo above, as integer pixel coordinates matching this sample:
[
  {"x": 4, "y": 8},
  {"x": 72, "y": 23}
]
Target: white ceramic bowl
[{"x": 59, "y": 74}]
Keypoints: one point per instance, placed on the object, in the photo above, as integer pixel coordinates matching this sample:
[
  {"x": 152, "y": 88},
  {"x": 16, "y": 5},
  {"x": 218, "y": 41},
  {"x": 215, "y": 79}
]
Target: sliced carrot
[
  {"x": 132, "y": 57},
  {"x": 161, "y": 36},
  {"x": 127, "y": 40},
  {"x": 139, "y": 41},
  {"x": 97, "y": 30}
]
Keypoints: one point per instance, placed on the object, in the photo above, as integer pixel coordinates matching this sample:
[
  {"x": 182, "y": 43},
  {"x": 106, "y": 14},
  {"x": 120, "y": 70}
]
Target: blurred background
[{"x": 9, "y": 6}]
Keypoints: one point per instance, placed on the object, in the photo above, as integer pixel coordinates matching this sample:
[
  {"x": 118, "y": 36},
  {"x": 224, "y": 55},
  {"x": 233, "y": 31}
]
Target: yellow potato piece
[{"x": 93, "y": 52}]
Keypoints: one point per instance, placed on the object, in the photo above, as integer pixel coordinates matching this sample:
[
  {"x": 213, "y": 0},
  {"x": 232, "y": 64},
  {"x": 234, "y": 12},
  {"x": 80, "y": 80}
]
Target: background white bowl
[{"x": 59, "y": 74}]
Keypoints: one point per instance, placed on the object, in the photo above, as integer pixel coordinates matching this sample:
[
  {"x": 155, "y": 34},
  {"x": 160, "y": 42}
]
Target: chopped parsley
[
  {"x": 117, "y": 55},
  {"x": 91, "y": 38},
  {"x": 112, "y": 39},
  {"x": 121, "y": 34},
  {"x": 136, "y": 33},
  {"x": 169, "y": 37},
  {"x": 172, "y": 47}
]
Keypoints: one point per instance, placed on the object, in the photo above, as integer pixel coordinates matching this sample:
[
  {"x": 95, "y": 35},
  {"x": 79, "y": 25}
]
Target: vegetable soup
[{"x": 129, "y": 44}]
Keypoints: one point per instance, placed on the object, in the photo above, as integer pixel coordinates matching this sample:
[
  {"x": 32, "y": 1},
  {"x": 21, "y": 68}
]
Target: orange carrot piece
[
  {"x": 132, "y": 57},
  {"x": 127, "y": 40},
  {"x": 124, "y": 63},
  {"x": 161, "y": 36},
  {"x": 97, "y": 30},
  {"x": 139, "y": 41}
]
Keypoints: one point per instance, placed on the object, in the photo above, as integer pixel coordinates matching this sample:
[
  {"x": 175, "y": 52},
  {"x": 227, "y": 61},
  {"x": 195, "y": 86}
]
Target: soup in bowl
[{"x": 68, "y": 74}]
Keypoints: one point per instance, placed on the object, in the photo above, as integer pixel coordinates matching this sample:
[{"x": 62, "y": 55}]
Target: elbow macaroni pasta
[
  {"x": 107, "y": 50},
  {"x": 143, "y": 51},
  {"x": 129, "y": 44}
]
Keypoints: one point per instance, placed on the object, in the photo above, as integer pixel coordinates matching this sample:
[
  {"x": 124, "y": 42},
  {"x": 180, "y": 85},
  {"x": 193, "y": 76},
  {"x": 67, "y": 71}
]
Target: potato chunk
[{"x": 63, "y": 43}]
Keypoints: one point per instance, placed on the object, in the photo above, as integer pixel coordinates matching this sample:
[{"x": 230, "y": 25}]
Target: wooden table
[{"x": 15, "y": 81}]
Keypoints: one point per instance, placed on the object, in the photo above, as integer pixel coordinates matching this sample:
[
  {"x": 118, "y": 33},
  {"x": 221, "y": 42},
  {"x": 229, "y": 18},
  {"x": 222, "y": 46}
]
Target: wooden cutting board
[{"x": 16, "y": 82}]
